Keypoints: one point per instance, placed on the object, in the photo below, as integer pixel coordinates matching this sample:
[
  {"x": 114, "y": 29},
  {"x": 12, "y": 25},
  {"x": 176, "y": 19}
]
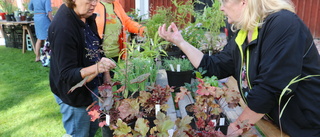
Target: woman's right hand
[
  {"x": 172, "y": 34},
  {"x": 105, "y": 65}
]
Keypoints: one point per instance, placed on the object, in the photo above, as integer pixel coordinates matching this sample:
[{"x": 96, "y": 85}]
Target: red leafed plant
[
  {"x": 133, "y": 110},
  {"x": 207, "y": 111}
]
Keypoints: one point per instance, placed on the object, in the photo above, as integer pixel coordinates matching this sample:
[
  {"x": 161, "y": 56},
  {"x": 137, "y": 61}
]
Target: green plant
[
  {"x": 161, "y": 16},
  {"x": 135, "y": 74},
  {"x": 134, "y": 15},
  {"x": 25, "y": 4},
  {"x": 204, "y": 32},
  {"x": 7, "y": 6},
  {"x": 139, "y": 69},
  {"x": 181, "y": 15},
  {"x": 287, "y": 91},
  {"x": 151, "y": 48},
  {"x": 173, "y": 64}
]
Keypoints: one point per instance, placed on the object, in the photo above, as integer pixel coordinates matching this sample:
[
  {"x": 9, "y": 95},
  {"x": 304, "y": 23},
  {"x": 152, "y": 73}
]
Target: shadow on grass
[
  {"x": 20, "y": 77},
  {"x": 27, "y": 105}
]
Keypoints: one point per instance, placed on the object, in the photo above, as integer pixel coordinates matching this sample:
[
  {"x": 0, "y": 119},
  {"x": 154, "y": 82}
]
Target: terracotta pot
[{"x": 23, "y": 18}]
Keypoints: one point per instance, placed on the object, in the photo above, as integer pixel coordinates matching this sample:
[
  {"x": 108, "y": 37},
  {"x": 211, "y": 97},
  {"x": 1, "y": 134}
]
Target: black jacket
[
  {"x": 67, "y": 41},
  {"x": 283, "y": 50}
]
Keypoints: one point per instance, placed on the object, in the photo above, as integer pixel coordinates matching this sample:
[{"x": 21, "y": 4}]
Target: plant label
[
  {"x": 157, "y": 108},
  {"x": 210, "y": 52},
  {"x": 222, "y": 121},
  {"x": 138, "y": 47},
  {"x": 107, "y": 120},
  {"x": 171, "y": 66},
  {"x": 178, "y": 67},
  {"x": 214, "y": 122}
]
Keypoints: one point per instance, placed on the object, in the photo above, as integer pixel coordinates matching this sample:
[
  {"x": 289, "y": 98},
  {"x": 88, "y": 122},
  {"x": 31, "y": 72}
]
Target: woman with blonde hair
[{"x": 271, "y": 47}]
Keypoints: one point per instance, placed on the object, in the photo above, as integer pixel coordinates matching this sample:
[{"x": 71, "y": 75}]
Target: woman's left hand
[{"x": 172, "y": 34}]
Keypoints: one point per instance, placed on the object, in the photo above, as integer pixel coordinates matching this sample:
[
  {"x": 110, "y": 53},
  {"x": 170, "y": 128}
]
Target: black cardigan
[
  {"x": 283, "y": 50},
  {"x": 67, "y": 42}
]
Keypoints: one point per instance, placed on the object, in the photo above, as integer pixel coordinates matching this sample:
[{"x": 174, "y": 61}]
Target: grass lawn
[{"x": 27, "y": 107}]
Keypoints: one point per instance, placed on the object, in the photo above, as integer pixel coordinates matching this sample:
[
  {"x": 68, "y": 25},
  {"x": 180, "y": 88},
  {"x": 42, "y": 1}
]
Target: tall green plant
[
  {"x": 7, "y": 6},
  {"x": 152, "y": 47},
  {"x": 181, "y": 16},
  {"x": 162, "y": 15},
  {"x": 204, "y": 32},
  {"x": 138, "y": 70},
  {"x": 287, "y": 91}
]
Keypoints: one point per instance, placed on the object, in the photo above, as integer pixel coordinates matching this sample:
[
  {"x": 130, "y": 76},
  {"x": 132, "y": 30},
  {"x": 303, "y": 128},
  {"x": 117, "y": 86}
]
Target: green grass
[{"x": 27, "y": 105}]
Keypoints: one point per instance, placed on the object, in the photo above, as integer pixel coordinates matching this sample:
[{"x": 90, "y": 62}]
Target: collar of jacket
[
  {"x": 240, "y": 39},
  {"x": 242, "y": 35}
]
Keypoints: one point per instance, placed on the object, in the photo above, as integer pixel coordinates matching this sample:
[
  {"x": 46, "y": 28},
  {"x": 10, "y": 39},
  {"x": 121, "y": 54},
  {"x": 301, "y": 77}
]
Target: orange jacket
[{"x": 127, "y": 23}]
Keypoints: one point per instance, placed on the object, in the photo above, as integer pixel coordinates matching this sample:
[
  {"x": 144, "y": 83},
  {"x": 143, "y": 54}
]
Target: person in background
[
  {"x": 42, "y": 19},
  {"x": 270, "y": 48},
  {"x": 76, "y": 56},
  {"x": 113, "y": 22}
]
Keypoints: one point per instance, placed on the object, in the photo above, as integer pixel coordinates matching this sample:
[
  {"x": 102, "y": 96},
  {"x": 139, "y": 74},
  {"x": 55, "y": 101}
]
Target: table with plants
[{"x": 141, "y": 100}]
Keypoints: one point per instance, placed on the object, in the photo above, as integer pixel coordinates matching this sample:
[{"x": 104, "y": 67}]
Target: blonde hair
[{"x": 257, "y": 10}]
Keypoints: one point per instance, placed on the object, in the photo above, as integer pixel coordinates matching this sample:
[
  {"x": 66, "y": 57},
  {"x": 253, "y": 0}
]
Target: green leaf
[
  {"x": 123, "y": 128},
  {"x": 142, "y": 126},
  {"x": 140, "y": 78},
  {"x": 163, "y": 124}
]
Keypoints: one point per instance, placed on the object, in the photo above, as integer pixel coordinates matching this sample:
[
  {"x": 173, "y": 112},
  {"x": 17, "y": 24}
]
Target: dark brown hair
[{"x": 70, "y": 3}]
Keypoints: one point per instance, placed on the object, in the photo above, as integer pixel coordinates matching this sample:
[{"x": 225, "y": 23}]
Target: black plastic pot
[
  {"x": 187, "y": 108},
  {"x": 190, "y": 113},
  {"x": 178, "y": 79},
  {"x": 223, "y": 128},
  {"x": 9, "y": 17}
]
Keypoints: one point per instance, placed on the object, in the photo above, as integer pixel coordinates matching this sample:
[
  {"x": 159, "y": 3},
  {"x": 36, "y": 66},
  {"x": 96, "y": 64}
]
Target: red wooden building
[{"x": 307, "y": 10}]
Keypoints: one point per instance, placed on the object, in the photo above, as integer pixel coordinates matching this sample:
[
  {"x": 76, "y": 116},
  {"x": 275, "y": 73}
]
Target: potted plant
[
  {"x": 179, "y": 71},
  {"x": 207, "y": 112},
  {"x": 181, "y": 15},
  {"x": 204, "y": 32},
  {"x": 141, "y": 115},
  {"x": 8, "y": 7}
]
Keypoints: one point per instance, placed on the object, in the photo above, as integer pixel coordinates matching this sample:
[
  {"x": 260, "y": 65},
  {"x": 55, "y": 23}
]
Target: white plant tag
[
  {"x": 171, "y": 66},
  {"x": 222, "y": 121},
  {"x": 210, "y": 52},
  {"x": 107, "y": 120},
  {"x": 170, "y": 132},
  {"x": 178, "y": 67},
  {"x": 151, "y": 42},
  {"x": 157, "y": 108},
  {"x": 214, "y": 122},
  {"x": 138, "y": 48}
]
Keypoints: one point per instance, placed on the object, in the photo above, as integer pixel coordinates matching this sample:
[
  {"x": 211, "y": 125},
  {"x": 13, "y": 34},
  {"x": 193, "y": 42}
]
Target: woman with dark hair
[{"x": 76, "y": 56}]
